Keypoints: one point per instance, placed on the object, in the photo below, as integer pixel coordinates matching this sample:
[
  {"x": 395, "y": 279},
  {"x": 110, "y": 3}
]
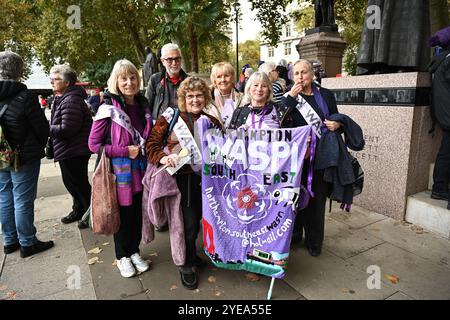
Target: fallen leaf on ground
[
  {"x": 393, "y": 279},
  {"x": 173, "y": 287},
  {"x": 105, "y": 244},
  {"x": 344, "y": 290},
  {"x": 11, "y": 295},
  {"x": 153, "y": 254},
  {"x": 95, "y": 250},
  {"x": 92, "y": 260},
  {"x": 211, "y": 279},
  {"x": 252, "y": 277},
  {"x": 197, "y": 290},
  {"x": 218, "y": 294},
  {"x": 114, "y": 263},
  {"x": 3, "y": 288}
]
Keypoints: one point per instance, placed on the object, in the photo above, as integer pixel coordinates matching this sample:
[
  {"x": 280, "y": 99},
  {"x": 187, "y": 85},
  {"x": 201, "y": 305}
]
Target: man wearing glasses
[{"x": 162, "y": 88}]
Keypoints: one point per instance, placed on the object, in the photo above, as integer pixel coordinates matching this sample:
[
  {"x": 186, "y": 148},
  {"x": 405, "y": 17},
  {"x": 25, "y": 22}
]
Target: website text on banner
[{"x": 251, "y": 184}]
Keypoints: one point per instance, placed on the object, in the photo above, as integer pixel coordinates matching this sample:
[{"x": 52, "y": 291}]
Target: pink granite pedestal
[{"x": 399, "y": 150}]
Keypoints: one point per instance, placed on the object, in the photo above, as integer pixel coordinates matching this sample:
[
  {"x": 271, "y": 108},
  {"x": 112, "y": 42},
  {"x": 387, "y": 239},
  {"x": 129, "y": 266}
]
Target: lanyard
[{"x": 263, "y": 115}]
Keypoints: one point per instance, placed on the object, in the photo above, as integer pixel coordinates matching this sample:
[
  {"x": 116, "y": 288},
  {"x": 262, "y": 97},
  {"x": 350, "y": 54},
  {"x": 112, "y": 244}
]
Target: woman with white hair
[
  {"x": 26, "y": 130},
  {"x": 70, "y": 125},
  {"x": 121, "y": 125},
  {"x": 321, "y": 101},
  {"x": 269, "y": 68}
]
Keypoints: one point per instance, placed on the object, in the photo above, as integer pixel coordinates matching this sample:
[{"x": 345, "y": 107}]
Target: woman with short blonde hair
[
  {"x": 122, "y": 67},
  {"x": 224, "y": 94},
  {"x": 121, "y": 126}
]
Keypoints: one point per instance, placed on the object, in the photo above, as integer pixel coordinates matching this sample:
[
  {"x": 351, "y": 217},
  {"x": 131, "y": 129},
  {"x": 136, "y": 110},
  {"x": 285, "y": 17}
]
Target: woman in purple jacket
[{"x": 122, "y": 125}]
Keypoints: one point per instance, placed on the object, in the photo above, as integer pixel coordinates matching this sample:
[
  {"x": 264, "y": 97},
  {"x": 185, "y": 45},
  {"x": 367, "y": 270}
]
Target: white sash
[
  {"x": 310, "y": 115},
  {"x": 123, "y": 120},
  {"x": 185, "y": 137}
]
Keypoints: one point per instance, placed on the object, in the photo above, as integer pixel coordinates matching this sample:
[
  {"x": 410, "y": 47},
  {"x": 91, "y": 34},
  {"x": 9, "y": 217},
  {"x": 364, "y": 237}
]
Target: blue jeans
[{"x": 17, "y": 194}]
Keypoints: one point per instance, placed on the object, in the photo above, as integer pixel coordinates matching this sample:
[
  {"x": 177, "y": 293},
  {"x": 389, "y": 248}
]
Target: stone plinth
[
  {"x": 327, "y": 47},
  {"x": 393, "y": 111}
]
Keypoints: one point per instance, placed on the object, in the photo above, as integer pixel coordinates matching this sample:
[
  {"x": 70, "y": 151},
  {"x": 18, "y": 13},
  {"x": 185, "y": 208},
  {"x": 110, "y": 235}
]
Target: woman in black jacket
[
  {"x": 312, "y": 218},
  {"x": 71, "y": 123},
  {"x": 26, "y": 129}
]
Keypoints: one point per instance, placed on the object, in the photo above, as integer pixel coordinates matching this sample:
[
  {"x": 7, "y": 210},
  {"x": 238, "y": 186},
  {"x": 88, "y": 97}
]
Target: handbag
[
  {"x": 358, "y": 184},
  {"x": 104, "y": 204}
]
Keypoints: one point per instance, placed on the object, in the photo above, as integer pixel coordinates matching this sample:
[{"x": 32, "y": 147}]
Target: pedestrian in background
[
  {"x": 26, "y": 129},
  {"x": 124, "y": 107},
  {"x": 70, "y": 125}
]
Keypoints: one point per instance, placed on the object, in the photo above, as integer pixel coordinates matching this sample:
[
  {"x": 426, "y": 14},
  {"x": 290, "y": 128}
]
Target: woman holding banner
[
  {"x": 259, "y": 110},
  {"x": 312, "y": 102},
  {"x": 193, "y": 97}
]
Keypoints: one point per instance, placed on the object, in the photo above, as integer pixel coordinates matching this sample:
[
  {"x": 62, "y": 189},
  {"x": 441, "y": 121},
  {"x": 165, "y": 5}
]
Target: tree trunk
[{"x": 193, "y": 47}]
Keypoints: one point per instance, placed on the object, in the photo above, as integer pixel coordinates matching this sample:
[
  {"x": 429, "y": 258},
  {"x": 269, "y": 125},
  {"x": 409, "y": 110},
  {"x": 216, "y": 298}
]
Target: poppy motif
[{"x": 246, "y": 198}]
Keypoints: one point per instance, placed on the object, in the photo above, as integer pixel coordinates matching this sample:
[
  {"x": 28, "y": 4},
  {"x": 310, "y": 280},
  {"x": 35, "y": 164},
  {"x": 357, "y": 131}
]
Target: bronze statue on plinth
[{"x": 394, "y": 37}]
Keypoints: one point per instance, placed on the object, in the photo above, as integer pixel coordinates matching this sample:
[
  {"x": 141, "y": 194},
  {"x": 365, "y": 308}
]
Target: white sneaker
[
  {"x": 126, "y": 267},
  {"x": 140, "y": 264}
]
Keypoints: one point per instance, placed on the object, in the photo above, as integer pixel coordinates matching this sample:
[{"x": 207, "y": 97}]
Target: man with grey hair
[
  {"x": 269, "y": 68},
  {"x": 26, "y": 130},
  {"x": 162, "y": 88}
]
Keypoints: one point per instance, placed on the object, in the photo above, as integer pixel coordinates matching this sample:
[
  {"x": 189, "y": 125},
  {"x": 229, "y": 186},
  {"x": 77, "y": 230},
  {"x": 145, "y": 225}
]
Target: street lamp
[{"x": 236, "y": 6}]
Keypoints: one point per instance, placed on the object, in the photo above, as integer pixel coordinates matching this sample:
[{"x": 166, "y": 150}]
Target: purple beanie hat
[{"x": 441, "y": 38}]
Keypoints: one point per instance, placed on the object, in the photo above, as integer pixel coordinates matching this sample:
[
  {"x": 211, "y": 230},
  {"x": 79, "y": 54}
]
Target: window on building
[
  {"x": 288, "y": 31},
  {"x": 287, "y": 48},
  {"x": 271, "y": 51}
]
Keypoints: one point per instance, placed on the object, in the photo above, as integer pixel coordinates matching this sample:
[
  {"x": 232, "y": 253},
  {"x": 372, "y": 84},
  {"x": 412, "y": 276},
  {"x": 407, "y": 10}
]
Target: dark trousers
[
  {"x": 191, "y": 204},
  {"x": 74, "y": 173},
  {"x": 128, "y": 238},
  {"x": 312, "y": 218},
  {"x": 441, "y": 173}
]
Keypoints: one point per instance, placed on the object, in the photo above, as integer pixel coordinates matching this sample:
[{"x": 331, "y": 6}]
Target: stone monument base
[
  {"x": 393, "y": 111},
  {"x": 325, "y": 45}
]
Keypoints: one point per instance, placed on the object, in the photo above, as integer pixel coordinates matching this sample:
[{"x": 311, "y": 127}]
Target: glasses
[
  {"x": 172, "y": 60},
  {"x": 55, "y": 79},
  {"x": 192, "y": 97}
]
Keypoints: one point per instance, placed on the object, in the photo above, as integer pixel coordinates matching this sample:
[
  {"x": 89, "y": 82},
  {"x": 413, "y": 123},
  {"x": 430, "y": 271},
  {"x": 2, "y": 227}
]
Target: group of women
[
  {"x": 124, "y": 129},
  {"x": 227, "y": 109}
]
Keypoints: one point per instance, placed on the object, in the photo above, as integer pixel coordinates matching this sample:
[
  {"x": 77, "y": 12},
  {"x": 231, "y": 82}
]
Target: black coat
[
  {"x": 24, "y": 122},
  {"x": 241, "y": 114},
  {"x": 333, "y": 157},
  {"x": 157, "y": 92},
  {"x": 440, "y": 89},
  {"x": 70, "y": 124}
]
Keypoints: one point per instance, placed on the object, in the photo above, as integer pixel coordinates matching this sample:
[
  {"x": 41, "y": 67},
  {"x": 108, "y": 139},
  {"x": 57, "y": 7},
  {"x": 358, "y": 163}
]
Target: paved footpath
[{"x": 412, "y": 263}]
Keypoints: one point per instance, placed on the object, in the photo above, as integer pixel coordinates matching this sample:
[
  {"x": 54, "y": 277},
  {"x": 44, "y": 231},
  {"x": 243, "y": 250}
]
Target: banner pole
[{"x": 269, "y": 294}]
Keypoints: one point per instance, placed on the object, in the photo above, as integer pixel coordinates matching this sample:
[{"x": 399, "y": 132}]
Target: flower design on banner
[{"x": 246, "y": 199}]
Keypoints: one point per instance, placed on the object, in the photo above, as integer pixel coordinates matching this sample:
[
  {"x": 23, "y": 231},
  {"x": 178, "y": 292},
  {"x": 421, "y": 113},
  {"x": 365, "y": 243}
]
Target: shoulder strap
[
  {"x": 3, "y": 110},
  {"x": 172, "y": 123}
]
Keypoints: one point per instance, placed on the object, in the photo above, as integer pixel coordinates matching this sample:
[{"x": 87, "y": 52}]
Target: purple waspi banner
[{"x": 251, "y": 182}]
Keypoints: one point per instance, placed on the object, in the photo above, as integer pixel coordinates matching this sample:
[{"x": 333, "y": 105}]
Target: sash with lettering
[
  {"x": 310, "y": 115},
  {"x": 185, "y": 138},
  {"x": 251, "y": 184}
]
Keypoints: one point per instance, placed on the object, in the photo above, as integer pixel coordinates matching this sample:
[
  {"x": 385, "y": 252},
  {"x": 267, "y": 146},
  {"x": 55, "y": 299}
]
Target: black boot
[
  {"x": 189, "y": 278},
  {"x": 439, "y": 195},
  {"x": 39, "y": 246},
  {"x": 10, "y": 248},
  {"x": 71, "y": 217}
]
